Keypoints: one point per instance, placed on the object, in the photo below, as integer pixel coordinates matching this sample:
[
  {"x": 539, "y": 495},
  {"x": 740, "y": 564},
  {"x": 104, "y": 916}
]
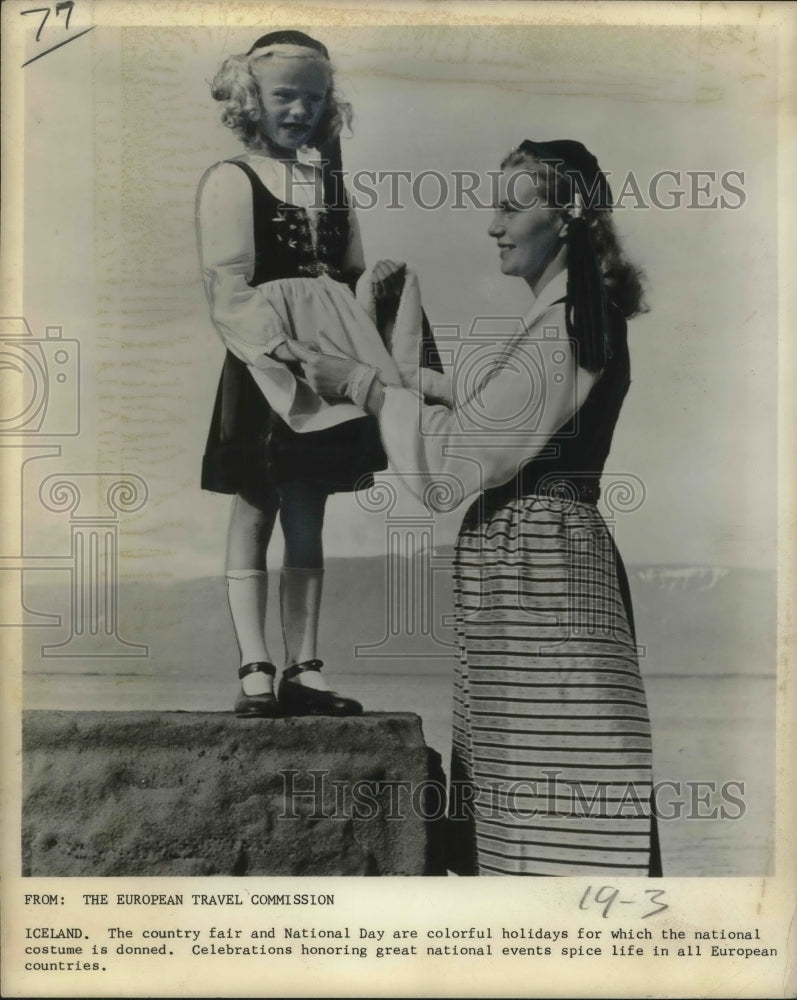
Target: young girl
[{"x": 264, "y": 217}]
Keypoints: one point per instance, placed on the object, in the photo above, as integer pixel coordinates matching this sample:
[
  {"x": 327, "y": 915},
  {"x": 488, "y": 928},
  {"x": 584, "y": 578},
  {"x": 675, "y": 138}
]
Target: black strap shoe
[
  {"x": 257, "y": 706},
  {"x": 296, "y": 699}
]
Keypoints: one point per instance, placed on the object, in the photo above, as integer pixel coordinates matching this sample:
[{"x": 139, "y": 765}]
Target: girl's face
[
  {"x": 293, "y": 96},
  {"x": 528, "y": 233}
]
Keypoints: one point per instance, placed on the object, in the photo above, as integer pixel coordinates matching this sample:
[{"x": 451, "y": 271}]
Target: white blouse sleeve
[
  {"x": 244, "y": 318},
  {"x": 443, "y": 452}
]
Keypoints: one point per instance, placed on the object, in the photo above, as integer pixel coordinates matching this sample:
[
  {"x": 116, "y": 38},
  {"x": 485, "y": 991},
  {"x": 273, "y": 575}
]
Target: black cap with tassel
[
  {"x": 290, "y": 37},
  {"x": 586, "y": 303},
  {"x": 332, "y": 174}
]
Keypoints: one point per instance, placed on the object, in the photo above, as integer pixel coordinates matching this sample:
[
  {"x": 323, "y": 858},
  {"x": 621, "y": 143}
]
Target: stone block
[{"x": 191, "y": 793}]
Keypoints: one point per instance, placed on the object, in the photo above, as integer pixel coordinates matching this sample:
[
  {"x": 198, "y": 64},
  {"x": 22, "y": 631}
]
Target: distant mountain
[
  {"x": 706, "y": 619},
  {"x": 683, "y": 577},
  {"x": 692, "y": 620}
]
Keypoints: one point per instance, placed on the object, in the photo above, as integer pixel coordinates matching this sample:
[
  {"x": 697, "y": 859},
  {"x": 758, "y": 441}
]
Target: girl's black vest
[{"x": 250, "y": 448}]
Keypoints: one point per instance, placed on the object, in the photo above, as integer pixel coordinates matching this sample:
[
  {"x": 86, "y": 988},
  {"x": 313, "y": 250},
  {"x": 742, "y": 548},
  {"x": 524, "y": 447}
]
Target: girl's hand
[
  {"x": 328, "y": 375},
  {"x": 388, "y": 279},
  {"x": 436, "y": 387},
  {"x": 283, "y": 353}
]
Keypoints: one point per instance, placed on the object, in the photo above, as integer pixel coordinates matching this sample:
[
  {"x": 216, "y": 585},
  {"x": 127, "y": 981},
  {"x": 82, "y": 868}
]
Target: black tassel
[
  {"x": 332, "y": 173},
  {"x": 586, "y": 308}
]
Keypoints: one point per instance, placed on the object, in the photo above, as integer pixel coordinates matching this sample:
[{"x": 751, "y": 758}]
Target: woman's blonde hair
[
  {"x": 625, "y": 282},
  {"x": 236, "y": 88}
]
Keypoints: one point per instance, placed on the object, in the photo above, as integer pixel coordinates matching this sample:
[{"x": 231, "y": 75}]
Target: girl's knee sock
[{"x": 247, "y": 593}]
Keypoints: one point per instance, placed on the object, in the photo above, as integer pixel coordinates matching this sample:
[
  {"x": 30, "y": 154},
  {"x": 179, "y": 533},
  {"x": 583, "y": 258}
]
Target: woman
[{"x": 551, "y": 768}]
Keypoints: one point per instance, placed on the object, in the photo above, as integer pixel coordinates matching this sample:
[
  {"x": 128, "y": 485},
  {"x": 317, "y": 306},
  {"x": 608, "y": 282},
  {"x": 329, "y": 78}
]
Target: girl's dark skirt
[{"x": 250, "y": 449}]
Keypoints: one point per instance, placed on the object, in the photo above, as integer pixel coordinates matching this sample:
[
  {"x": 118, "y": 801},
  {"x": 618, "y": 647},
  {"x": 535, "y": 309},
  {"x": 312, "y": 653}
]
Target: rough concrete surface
[{"x": 184, "y": 793}]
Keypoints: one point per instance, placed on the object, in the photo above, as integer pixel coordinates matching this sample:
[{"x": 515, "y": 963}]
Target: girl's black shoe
[
  {"x": 296, "y": 699},
  {"x": 257, "y": 706}
]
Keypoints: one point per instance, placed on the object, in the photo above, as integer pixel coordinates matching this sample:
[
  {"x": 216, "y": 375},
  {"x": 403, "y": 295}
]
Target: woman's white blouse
[
  {"x": 504, "y": 409},
  {"x": 243, "y": 316}
]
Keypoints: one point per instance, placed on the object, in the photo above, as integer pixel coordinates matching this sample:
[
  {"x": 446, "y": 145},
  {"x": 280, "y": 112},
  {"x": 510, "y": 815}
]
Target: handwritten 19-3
[{"x": 607, "y": 896}]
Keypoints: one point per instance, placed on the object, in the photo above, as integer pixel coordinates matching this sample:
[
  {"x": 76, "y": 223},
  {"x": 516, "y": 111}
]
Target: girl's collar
[{"x": 261, "y": 157}]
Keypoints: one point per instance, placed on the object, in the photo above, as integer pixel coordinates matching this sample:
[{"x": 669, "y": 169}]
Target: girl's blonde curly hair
[{"x": 236, "y": 88}]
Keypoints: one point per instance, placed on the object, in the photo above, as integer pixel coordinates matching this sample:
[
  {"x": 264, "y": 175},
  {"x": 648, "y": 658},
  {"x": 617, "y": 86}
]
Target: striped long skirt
[{"x": 551, "y": 767}]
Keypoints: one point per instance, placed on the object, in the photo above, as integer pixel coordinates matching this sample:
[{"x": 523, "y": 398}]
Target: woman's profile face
[
  {"x": 527, "y": 232},
  {"x": 293, "y": 95}
]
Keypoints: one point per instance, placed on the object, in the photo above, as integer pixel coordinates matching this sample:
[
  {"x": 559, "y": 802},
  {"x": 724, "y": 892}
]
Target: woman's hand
[
  {"x": 387, "y": 279},
  {"x": 328, "y": 375}
]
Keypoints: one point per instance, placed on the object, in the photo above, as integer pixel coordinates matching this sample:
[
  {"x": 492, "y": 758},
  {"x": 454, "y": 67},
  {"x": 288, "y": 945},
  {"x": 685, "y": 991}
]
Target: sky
[{"x": 119, "y": 130}]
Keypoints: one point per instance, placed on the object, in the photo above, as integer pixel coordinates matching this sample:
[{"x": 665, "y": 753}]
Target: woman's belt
[{"x": 571, "y": 487}]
